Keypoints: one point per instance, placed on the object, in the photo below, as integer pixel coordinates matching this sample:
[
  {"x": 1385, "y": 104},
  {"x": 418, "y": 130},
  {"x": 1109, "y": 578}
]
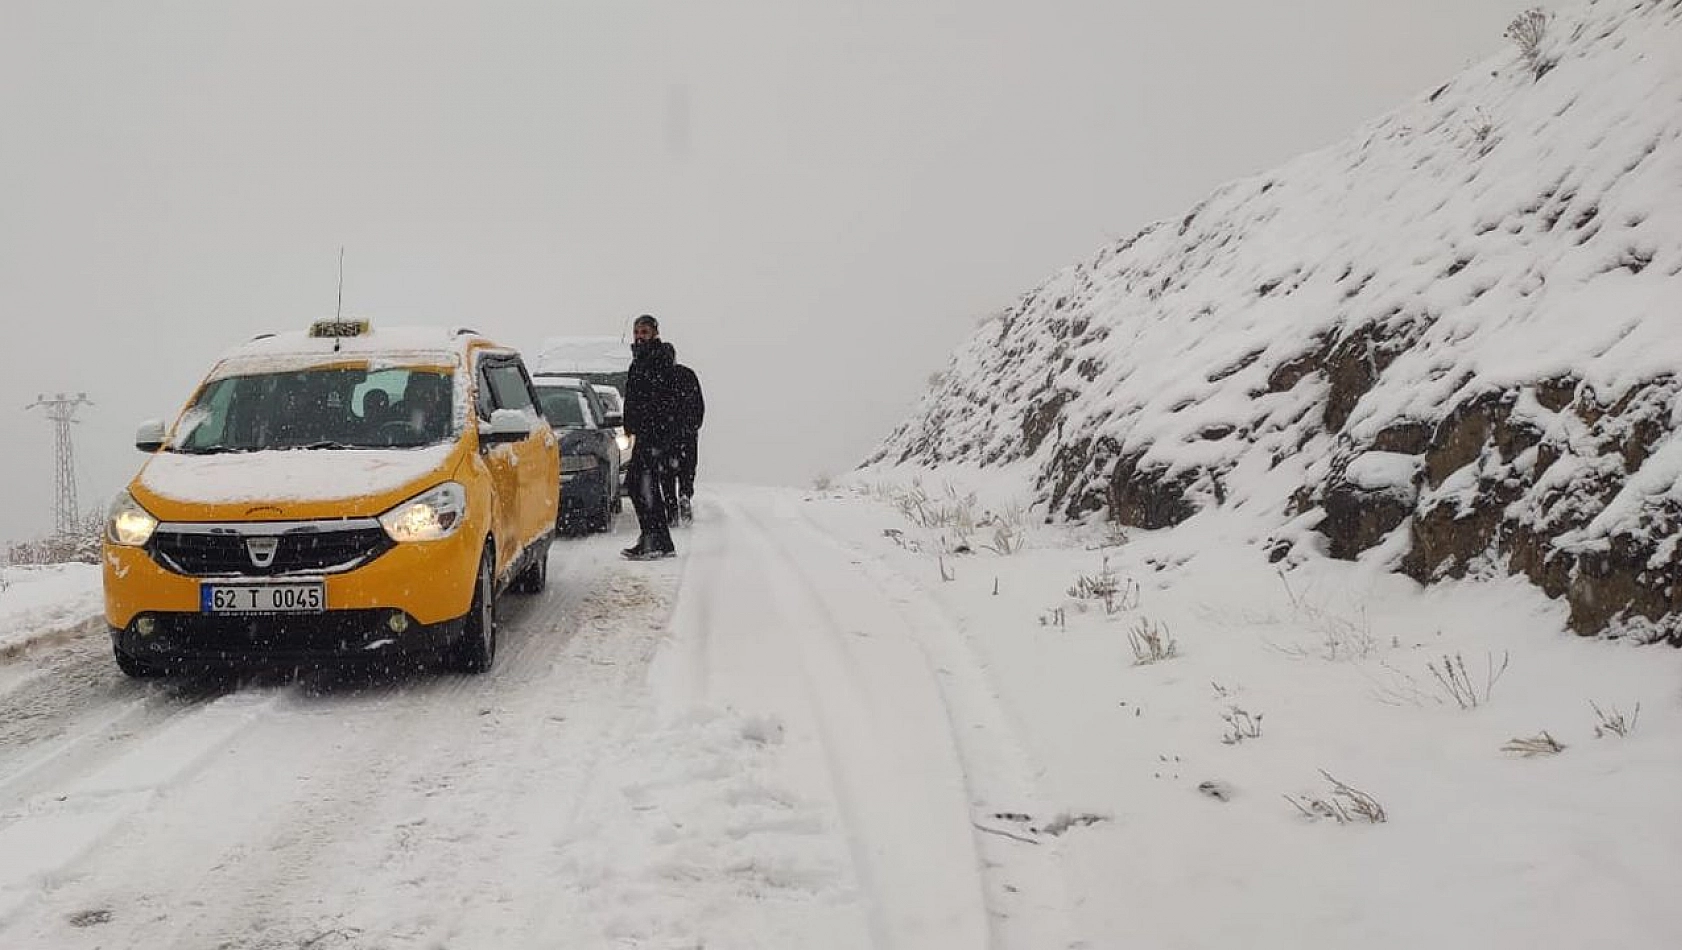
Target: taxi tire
[
  {"x": 535, "y": 577},
  {"x": 137, "y": 669},
  {"x": 475, "y": 650}
]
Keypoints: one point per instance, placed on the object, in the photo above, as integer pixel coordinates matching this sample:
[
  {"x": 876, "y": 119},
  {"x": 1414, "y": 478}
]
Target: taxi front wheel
[
  {"x": 136, "y": 669},
  {"x": 476, "y": 649}
]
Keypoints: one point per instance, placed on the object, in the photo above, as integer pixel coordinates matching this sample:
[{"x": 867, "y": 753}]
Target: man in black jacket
[
  {"x": 653, "y": 418},
  {"x": 679, "y": 483}
]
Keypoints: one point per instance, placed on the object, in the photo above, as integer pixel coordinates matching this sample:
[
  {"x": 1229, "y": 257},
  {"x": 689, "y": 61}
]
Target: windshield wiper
[
  {"x": 210, "y": 450},
  {"x": 324, "y": 444}
]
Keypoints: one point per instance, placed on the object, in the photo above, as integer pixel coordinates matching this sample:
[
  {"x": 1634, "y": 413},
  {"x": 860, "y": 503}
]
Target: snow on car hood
[{"x": 290, "y": 474}]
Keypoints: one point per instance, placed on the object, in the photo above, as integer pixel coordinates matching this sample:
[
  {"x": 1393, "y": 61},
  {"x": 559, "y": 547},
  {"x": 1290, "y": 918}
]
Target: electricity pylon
[{"x": 61, "y": 409}]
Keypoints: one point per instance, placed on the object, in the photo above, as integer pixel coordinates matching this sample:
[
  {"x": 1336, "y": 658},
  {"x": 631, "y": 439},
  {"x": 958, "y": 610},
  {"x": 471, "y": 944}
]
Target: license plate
[{"x": 263, "y": 598}]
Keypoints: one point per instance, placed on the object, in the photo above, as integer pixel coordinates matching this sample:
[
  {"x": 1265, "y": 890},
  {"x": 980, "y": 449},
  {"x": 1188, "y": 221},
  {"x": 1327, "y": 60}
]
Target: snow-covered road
[{"x": 790, "y": 772}]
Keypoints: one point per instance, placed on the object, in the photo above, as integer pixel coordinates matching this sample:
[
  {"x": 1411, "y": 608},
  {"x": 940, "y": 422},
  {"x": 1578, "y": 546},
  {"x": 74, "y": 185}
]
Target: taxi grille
[{"x": 325, "y": 550}]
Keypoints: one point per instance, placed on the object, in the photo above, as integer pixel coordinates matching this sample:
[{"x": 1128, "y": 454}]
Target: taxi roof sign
[{"x": 335, "y": 329}]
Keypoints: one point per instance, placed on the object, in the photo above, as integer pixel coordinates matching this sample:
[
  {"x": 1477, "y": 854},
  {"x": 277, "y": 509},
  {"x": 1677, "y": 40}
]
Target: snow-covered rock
[{"x": 1487, "y": 282}]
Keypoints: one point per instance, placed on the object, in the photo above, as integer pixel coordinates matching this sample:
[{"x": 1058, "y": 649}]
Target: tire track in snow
[
  {"x": 1028, "y": 894},
  {"x": 337, "y": 762},
  {"x": 891, "y": 758},
  {"x": 417, "y": 813},
  {"x": 76, "y": 708},
  {"x": 83, "y": 748}
]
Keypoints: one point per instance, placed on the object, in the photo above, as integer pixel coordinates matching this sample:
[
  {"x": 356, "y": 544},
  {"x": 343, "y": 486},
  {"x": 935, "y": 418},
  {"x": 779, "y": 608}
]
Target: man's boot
[{"x": 656, "y": 544}]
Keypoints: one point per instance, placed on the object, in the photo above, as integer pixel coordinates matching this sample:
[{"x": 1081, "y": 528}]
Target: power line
[{"x": 61, "y": 409}]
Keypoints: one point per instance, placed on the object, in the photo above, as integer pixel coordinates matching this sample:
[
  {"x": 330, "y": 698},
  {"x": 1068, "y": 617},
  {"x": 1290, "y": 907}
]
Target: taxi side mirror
[
  {"x": 150, "y": 436},
  {"x": 506, "y": 425},
  {"x": 613, "y": 420}
]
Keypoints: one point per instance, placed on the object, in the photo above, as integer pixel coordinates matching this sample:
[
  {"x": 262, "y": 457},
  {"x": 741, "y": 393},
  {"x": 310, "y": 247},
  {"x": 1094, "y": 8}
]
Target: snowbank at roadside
[{"x": 38, "y": 600}]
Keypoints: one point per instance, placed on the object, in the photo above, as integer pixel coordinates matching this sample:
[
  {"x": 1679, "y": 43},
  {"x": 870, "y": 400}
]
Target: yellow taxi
[{"x": 341, "y": 492}]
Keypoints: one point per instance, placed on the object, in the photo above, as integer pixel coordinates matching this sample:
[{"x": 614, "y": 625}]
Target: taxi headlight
[
  {"x": 129, "y": 524},
  {"x": 624, "y": 442},
  {"x": 433, "y": 514}
]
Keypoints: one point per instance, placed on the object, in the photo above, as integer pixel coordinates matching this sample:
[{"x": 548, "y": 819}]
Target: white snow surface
[
  {"x": 582, "y": 354},
  {"x": 290, "y": 474},
  {"x": 45, "y": 599},
  {"x": 411, "y": 345},
  {"x": 824, "y": 726},
  {"x": 1385, "y": 472}
]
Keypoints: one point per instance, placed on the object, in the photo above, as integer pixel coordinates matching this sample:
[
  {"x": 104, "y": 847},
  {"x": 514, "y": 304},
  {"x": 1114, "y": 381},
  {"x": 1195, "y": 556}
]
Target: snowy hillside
[{"x": 1450, "y": 343}]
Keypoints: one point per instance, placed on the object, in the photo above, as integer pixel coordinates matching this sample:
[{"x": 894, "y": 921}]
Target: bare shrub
[
  {"x": 1240, "y": 725},
  {"x": 1007, "y": 540},
  {"x": 1613, "y": 723},
  {"x": 822, "y": 482},
  {"x": 80, "y": 545},
  {"x": 1010, "y": 528},
  {"x": 1454, "y": 680},
  {"x": 1527, "y": 30},
  {"x": 950, "y": 510},
  {"x": 1540, "y": 744},
  {"x": 898, "y": 537},
  {"x": 1483, "y": 133},
  {"x": 1344, "y": 804},
  {"x": 1115, "y": 535},
  {"x": 1115, "y": 592},
  {"x": 1151, "y": 642},
  {"x": 952, "y": 513},
  {"x": 1337, "y": 638},
  {"x": 1400, "y": 688}
]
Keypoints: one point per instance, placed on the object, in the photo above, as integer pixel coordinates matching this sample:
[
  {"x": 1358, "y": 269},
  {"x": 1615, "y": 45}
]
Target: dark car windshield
[
  {"x": 562, "y": 407},
  {"x": 336, "y": 408}
]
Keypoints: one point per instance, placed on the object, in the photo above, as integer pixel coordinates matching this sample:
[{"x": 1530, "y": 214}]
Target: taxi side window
[{"x": 508, "y": 387}]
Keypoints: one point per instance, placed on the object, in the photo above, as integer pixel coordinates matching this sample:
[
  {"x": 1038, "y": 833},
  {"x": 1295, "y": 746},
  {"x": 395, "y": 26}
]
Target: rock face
[{"x": 1452, "y": 342}]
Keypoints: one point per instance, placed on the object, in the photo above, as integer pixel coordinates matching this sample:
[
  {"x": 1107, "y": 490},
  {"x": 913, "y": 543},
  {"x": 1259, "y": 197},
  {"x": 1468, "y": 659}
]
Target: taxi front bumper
[{"x": 409, "y": 598}]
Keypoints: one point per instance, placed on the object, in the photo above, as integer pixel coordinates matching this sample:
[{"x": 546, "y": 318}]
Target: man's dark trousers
[
  {"x": 686, "y": 456},
  {"x": 678, "y": 479},
  {"x": 645, "y": 477}
]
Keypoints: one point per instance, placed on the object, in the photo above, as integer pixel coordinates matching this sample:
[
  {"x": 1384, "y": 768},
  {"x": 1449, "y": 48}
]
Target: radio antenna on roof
[{"x": 339, "y": 309}]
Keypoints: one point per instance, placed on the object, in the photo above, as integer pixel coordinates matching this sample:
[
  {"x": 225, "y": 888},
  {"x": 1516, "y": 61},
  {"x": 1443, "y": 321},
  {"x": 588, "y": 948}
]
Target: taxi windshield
[{"x": 325, "y": 408}]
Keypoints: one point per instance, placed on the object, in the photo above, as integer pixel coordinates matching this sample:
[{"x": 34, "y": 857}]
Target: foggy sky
[{"x": 818, "y": 198}]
